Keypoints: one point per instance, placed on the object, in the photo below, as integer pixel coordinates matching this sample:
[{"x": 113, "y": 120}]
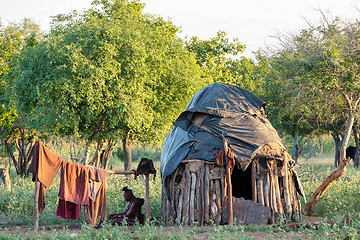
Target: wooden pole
[
  {"x": 192, "y": 199},
  {"x": 206, "y": 194},
  {"x": 253, "y": 180},
  {"x": 5, "y": 179},
  {"x": 229, "y": 187},
  {"x": 285, "y": 179},
  {"x": 147, "y": 196},
  {"x": 36, "y": 204},
  {"x": 121, "y": 172}
]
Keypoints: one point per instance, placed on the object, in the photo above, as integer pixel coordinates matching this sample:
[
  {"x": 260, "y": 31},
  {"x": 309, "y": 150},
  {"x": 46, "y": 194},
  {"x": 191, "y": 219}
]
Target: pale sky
[{"x": 252, "y": 21}]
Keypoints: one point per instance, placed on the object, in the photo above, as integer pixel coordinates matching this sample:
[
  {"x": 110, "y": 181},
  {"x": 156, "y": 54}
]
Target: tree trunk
[
  {"x": 321, "y": 147},
  {"x": 295, "y": 153},
  {"x": 5, "y": 178},
  {"x": 127, "y": 146},
  {"x": 324, "y": 186},
  {"x": 96, "y": 159},
  {"x": 24, "y": 149},
  {"x": 25, "y": 152},
  {"x": 337, "y": 142},
  {"x": 357, "y": 155},
  {"x": 11, "y": 154},
  {"x": 86, "y": 153},
  {"x": 107, "y": 154},
  {"x": 297, "y": 150}
]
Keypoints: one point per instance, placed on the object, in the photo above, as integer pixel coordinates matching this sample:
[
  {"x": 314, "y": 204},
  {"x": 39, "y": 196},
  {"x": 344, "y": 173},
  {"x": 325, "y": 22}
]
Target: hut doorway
[{"x": 241, "y": 183}]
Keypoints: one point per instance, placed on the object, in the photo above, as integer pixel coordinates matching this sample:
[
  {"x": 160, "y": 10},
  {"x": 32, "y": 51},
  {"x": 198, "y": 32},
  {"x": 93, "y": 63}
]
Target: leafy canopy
[{"x": 107, "y": 72}]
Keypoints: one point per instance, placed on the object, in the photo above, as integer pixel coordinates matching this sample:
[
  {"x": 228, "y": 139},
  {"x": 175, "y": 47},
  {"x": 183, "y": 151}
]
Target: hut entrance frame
[{"x": 241, "y": 183}]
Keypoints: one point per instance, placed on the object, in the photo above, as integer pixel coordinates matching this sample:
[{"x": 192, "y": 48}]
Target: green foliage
[
  {"x": 13, "y": 39},
  {"x": 216, "y": 57},
  {"x": 314, "y": 76},
  {"x": 107, "y": 72}
]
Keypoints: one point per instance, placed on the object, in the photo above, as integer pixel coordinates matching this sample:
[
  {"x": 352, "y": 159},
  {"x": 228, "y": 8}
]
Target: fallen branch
[{"x": 325, "y": 185}]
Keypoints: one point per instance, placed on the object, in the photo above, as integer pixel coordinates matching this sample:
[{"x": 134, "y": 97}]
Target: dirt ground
[{"x": 205, "y": 232}]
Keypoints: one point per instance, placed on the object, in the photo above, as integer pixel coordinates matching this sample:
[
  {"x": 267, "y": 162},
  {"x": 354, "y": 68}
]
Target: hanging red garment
[
  {"x": 68, "y": 210},
  {"x": 45, "y": 164},
  {"x": 74, "y": 188}
]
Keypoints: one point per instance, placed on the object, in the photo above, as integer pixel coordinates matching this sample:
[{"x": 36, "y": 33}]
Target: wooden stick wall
[{"x": 198, "y": 192}]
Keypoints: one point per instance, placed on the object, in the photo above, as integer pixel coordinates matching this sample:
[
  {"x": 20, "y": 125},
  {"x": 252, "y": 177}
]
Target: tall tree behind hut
[
  {"x": 111, "y": 72},
  {"x": 324, "y": 57}
]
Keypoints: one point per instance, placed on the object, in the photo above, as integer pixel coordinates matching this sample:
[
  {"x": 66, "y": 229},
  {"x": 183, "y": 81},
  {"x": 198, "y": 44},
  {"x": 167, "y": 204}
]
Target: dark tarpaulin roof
[{"x": 225, "y": 110}]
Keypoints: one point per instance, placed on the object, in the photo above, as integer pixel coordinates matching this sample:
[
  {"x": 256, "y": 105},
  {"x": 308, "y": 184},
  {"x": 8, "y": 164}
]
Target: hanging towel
[{"x": 45, "y": 164}]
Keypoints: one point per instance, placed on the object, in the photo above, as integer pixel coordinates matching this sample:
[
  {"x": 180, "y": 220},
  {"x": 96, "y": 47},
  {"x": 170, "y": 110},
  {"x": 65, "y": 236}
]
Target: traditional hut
[{"x": 261, "y": 187}]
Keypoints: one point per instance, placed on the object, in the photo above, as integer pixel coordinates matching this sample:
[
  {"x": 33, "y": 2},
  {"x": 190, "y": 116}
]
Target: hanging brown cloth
[
  {"x": 74, "y": 189},
  {"x": 45, "y": 164},
  {"x": 220, "y": 159},
  {"x": 95, "y": 212}
]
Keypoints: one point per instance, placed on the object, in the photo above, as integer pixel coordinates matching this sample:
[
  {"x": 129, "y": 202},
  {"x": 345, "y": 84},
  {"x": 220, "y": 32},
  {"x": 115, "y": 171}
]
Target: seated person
[{"x": 133, "y": 210}]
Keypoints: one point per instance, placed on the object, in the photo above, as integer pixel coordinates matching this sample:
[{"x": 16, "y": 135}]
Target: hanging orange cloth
[
  {"x": 230, "y": 158},
  {"x": 95, "y": 212},
  {"x": 74, "y": 189},
  {"x": 45, "y": 164}
]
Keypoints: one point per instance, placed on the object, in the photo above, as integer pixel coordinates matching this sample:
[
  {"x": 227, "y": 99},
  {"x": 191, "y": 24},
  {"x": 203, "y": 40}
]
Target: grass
[{"x": 340, "y": 201}]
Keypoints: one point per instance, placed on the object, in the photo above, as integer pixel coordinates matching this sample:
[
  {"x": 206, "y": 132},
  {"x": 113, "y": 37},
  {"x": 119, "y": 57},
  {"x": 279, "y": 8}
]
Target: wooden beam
[{"x": 121, "y": 172}]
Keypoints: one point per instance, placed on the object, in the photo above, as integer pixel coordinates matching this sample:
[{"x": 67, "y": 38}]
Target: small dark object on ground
[{"x": 76, "y": 227}]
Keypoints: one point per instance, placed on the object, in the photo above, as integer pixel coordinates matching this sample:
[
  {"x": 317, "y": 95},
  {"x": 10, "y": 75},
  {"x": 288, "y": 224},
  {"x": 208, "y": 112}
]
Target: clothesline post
[
  {"x": 36, "y": 204},
  {"x": 147, "y": 196}
]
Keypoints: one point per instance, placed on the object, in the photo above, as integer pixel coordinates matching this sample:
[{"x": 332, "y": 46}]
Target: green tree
[
  {"x": 221, "y": 61},
  {"x": 294, "y": 107},
  {"x": 215, "y": 56},
  {"x": 14, "y": 38},
  {"x": 325, "y": 59},
  {"x": 107, "y": 73}
]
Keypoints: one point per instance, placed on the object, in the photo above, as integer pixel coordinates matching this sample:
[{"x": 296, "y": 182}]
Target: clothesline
[
  {"x": 121, "y": 172},
  {"x": 45, "y": 165}
]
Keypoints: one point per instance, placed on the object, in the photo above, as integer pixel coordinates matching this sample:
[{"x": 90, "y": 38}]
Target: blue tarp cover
[{"x": 224, "y": 110}]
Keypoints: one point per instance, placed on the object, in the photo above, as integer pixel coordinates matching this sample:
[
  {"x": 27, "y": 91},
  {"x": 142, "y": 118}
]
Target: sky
[{"x": 252, "y": 22}]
